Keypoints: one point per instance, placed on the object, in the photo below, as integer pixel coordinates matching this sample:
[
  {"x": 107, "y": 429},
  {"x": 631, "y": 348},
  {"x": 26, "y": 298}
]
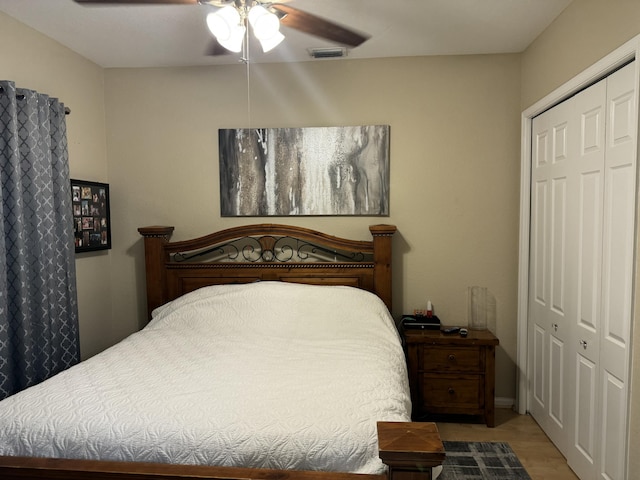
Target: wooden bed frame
[
  {"x": 247, "y": 254},
  {"x": 265, "y": 252}
]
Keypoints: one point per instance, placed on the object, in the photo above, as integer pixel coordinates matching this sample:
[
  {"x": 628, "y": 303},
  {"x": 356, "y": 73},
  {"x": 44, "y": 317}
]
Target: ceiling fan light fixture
[
  {"x": 222, "y": 22},
  {"x": 270, "y": 43},
  {"x": 234, "y": 43},
  {"x": 264, "y": 23},
  {"x": 266, "y": 27},
  {"x": 226, "y": 26}
]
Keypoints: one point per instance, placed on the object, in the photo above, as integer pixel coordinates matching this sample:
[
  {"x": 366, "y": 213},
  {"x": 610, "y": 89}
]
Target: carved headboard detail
[{"x": 265, "y": 252}]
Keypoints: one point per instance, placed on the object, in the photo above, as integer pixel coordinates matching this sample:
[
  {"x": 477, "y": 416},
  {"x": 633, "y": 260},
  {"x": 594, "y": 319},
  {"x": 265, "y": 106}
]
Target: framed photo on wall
[{"x": 91, "y": 215}]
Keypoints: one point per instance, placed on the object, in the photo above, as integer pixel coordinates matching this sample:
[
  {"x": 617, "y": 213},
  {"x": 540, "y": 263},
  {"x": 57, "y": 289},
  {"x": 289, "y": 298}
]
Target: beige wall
[
  {"x": 585, "y": 32},
  {"x": 33, "y": 61},
  {"x": 454, "y": 167}
]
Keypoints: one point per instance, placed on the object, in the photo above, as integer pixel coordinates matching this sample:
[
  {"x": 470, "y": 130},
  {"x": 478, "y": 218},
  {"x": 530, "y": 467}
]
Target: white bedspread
[{"x": 268, "y": 375}]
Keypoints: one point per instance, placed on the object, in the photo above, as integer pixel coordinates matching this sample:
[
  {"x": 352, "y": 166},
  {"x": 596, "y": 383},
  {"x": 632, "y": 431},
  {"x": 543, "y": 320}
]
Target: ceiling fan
[{"x": 229, "y": 23}]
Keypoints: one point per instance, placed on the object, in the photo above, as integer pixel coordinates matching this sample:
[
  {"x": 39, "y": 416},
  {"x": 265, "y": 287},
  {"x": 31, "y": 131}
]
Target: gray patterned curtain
[{"x": 38, "y": 301}]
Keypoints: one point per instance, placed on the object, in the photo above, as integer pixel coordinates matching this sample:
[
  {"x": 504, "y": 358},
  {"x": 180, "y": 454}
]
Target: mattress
[{"x": 268, "y": 375}]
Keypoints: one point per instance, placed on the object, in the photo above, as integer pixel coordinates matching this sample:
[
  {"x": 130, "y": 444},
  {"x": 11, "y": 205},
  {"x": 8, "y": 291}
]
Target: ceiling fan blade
[
  {"x": 138, "y": 2},
  {"x": 317, "y": 26}
]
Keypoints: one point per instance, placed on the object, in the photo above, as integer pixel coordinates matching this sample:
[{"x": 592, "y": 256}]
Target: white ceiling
[{"x": 176, "y": 35}]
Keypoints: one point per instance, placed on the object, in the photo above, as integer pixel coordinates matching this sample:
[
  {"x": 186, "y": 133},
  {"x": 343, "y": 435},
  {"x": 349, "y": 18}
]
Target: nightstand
[{"x": 450, "y": 374}]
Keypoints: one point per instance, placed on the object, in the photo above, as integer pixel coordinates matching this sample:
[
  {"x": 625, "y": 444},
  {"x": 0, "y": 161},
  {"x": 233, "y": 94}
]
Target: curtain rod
[{"x": 67, "y": 110}]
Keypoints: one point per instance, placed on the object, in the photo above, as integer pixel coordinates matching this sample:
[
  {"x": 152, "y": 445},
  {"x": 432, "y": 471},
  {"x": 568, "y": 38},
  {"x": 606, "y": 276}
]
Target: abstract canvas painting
[{"x": 304, "y": 171}]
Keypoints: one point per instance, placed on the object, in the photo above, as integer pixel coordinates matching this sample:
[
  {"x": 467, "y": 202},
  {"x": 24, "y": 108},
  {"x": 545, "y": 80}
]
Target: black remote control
[{"x": 451, "y": 330}]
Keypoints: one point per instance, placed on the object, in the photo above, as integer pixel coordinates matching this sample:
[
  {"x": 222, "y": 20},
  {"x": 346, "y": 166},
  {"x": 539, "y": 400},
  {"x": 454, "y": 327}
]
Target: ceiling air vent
[{"x": 334, "y": 52}]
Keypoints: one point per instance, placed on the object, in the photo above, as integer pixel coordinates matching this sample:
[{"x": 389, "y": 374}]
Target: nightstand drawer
[
  {"x": 449, "y": 358},
  {"x": 449, "y": 391}
]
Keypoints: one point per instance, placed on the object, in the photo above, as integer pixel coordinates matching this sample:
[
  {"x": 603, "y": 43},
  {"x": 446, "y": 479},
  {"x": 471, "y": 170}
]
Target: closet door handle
[
  {"x": 555, "y": 327},
  {"x": 584, "y": 344}
]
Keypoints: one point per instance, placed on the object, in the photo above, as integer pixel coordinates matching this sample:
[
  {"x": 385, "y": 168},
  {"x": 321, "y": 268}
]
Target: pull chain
[{"x": 245, "y": 59}]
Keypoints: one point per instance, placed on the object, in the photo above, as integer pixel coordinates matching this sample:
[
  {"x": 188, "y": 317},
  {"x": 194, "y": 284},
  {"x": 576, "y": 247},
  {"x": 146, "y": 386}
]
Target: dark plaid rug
[{"x": 480, "y": 461}]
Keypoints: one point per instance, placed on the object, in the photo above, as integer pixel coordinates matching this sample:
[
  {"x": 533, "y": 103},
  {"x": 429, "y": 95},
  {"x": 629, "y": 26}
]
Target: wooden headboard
[{"x": 265, "y": 252}]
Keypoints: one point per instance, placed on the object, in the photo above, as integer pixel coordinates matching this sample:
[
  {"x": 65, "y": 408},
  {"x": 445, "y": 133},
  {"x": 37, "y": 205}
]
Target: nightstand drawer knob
[
  {"x": 452, "y": 358},
  {"x": 451, "y": 391}
]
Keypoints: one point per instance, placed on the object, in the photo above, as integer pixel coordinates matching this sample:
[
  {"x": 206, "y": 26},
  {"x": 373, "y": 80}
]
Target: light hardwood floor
[{"x": 538, "y": 455}]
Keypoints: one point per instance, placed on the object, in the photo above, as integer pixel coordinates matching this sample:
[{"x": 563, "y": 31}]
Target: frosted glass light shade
[
  {"x": 226, "y": 26},
  {"x": 271, "y": 42},
  {"x": 264, "y": 23},
  {"x": 266, "y": 27}
]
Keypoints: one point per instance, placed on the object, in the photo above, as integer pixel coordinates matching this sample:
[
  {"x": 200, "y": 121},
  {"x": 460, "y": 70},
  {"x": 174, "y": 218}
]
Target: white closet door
[
  {"x": 581, "y": 273},
  {"x": 585, "y": 273},
  {"x": 600, "y": 350},
  {"x": 617, "y": 272},
  {"x": 549, "y": 323}
]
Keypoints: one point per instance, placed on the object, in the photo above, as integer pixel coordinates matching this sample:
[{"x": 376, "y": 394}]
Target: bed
[{"x": 258, "y": 329}]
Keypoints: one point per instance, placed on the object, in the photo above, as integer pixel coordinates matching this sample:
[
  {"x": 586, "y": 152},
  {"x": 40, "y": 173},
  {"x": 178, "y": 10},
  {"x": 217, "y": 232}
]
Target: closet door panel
[
  {"x": 584, "y": 346},
  {"x": 590, "y": 172},
  {"x": 548, "y": 270},
  {"x": 613, "y": 426},
  {"x": 584, "y": 438},
  {"x": 557, "y": 399},
  {"x": 619, "y": 225},
  {"x": 557, "y": 278},
  {"x": 540, "y": 236},
  {"x": 539, "y": 393},
  {"x": 558, "y": 244},
  {"x": 560, "y": 233},
  {"x": 538, "y": 282},
  {"x": 589, "y": 248},
  {"x": 585, "y": 207},
  {"x": 617, "y": 282}
]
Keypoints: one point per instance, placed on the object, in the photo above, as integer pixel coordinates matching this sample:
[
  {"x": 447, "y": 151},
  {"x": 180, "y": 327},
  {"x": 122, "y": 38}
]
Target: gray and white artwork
[{"x": 304, "y": 171}]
